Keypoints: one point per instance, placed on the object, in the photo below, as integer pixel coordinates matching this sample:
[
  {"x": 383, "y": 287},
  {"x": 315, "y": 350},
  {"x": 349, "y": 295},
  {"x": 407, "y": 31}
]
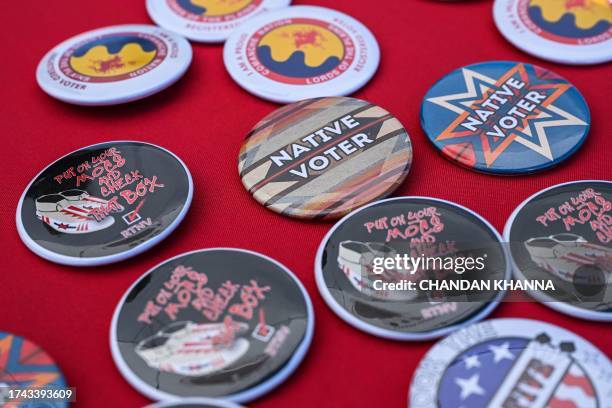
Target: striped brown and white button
[{"x": 322, "y": 158}]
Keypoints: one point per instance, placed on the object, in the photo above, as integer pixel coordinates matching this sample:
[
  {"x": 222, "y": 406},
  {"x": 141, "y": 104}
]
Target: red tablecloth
[{"x": 203, "y": 119}]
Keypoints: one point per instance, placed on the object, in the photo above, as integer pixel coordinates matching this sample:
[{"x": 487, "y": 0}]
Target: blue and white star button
[
  {"x": 512, "y": 363},
  {"x": 505, "y": 117}
]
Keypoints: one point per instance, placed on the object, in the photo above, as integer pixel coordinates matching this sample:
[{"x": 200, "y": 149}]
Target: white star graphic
[
  {"x": 469, "y": 77},
  {"x": 501, "y": 352},
  {"x": 469, "y": 386},
  {"x": 542, "y": 147},
  {"x": 471, "y": 361}
]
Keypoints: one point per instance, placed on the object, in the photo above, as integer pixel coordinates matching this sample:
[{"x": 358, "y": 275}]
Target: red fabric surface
[{"x": 203, "y": 119}]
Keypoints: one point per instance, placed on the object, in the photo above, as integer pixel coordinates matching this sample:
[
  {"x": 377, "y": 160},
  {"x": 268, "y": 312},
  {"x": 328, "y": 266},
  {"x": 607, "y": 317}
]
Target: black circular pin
[
  {"x": 222, "y": 323},
  {"x": 104, "y": 203},
  {"x": 563, "y": 235},
  {"x": 397, "y": 268},
  {"x": 195, "y": 403}
]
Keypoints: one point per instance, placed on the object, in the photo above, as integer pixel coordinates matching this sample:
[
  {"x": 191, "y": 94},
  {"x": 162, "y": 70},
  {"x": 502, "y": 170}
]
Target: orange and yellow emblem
[
  {"x": 213, "y": 11},
  {"x": 301, "y": 51},
  {"x": 113, "y": 57}
]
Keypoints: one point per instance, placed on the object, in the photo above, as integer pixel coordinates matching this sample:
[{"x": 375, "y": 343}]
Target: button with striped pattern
[{"x": 322, "y": 158}]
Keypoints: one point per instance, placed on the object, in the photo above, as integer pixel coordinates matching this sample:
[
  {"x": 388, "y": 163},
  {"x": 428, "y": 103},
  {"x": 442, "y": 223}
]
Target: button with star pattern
[
  {"x": 512, "y": 363},
  {"x": 505, "y": 117}
]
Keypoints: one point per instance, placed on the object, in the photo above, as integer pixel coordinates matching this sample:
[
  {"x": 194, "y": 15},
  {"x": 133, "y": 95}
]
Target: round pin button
[
  {"x": 24, "y": 365},
  {"x": 114, "y": 65},
  {"x": 512, "y": 363},
  {"x": 104, "y": 203},
  {"x": 388, "y": 268},
  {"x": 223, "y": 323},
  {"x": 322, "y": 158},
  {"x": 195, "y": 403},
  {"x": 207, "y": 21},
  {"x": 563, "y": 234},
  {"x": 301, "y": 52},
  {"x": 568, "y": 32},
  {"x": 505, "y": 117}
]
